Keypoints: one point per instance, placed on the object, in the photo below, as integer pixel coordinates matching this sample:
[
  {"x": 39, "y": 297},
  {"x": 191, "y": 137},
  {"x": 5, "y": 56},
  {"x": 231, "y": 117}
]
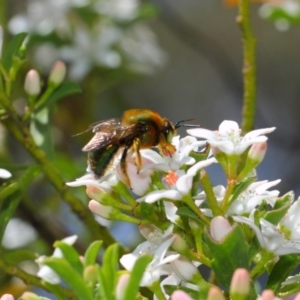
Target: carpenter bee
[{"x": 137, "y": 129}]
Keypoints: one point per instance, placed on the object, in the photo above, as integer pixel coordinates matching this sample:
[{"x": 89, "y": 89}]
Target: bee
[{"x": 137, "y": 129}]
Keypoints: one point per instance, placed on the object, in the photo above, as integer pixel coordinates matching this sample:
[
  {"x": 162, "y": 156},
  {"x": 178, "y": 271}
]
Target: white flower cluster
[
  {"x": 104, "y": 42},
  {"x": 244, "y": 200}
]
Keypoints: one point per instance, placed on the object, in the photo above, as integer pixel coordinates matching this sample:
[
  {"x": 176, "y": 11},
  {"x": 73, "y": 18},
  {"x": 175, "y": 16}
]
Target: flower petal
[
  {"x": 4, "y": 174},
  {"x": 200, "y": 165},
  {"x": 202, "y": 133},
  {"x": 157, "y": 195}
]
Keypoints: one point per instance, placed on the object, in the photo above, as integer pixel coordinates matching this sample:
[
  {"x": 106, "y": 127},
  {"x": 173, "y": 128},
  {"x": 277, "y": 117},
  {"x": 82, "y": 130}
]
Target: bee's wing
[{"x": 110, "y": 132}]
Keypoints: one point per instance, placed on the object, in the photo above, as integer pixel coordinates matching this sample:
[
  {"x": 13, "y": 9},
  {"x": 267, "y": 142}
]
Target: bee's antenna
[
  {"x": 81, "y": 132},
  {"x": 179, "y": 124}
]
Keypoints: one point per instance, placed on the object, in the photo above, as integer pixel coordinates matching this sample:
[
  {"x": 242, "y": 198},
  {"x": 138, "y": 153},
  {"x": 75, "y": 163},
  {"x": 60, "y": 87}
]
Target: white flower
[
  {"x": 181, "y": 156},
  {"x": 45, "y": 272},
  {"x": 290, "y": 223},
  {"x": 228, "y": 138},
  {"x": 4, "y": 174},
  {"x": 157, "y": 245},
  {"x": 105, "y": 182},
  {"x": 182, "y": 186},
  {"x": 139, "y": 180},
  {"x": 180, "y": 271},
  {"x": 247, "y": 201},
  {"x": 219, "y": 228},
  {"x": 270, "y": 237}
]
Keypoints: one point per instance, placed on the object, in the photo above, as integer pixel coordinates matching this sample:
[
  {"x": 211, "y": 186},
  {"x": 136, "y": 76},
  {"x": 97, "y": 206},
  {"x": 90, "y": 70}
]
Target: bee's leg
[
  {"x": 166, "y": 148},
  {"x": 124, "y": 165},
  {"x": 138, "y": 160}
]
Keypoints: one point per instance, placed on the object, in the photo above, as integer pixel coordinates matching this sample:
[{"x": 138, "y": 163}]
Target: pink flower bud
[
  {"x": 29, "y": 296},
  {"x": 7, "y": 297},
  {"x": 257, "y": 151},
  {"x": 180, "y": 295},
  {"x": 215, "y": 294},
  {"x": 267, "y": 295},
  {"x": 100, "y": 210},
  {"x": 122, "y": 285},
  {"x": 240, "y": 282},
  {"x": 184, "y": 268},
  {"x": 32, "y": 83},
  {"x": 179, "y": 244},
  {"x": 255, "y": 156},
  {"x": 219, "y": 228},
  {"x": 90, "y": 274},
  {"x": 58, "y": 73}
]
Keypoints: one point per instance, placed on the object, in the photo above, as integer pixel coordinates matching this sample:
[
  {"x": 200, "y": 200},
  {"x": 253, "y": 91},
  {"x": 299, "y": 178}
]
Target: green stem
[
  {"x": 24, "y": 137},
  {"x": 226, "y": 200},
  {"x": 210, "y": 195},
  {"x": 191, "y": 204},
  {"x": 156, "y": 289},
  {"x": 249, "y": 67}
]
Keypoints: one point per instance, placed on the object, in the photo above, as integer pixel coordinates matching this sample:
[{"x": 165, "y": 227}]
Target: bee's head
[{"x": 169, "y": 130}]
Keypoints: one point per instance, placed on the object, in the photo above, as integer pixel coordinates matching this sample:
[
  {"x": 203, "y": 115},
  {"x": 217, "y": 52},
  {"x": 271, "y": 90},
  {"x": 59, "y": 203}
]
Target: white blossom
[
  {"x": 228, "y": 138},
  {"x": 45, "y": 272},
  {"x": 157, "y": 246},
  {"x": 270, "y": 237}
]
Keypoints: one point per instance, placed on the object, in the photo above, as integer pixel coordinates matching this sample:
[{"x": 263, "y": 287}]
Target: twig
[{"x": 249, "y": 68}]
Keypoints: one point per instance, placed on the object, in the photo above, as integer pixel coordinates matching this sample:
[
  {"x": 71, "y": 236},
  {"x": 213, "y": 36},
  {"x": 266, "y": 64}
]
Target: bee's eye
[{"x": 168, "y": 132}]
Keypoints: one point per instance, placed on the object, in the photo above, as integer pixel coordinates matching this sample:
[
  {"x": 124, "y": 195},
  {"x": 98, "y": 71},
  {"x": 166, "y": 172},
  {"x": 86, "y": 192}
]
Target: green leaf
[
  {"x": 110, "y": 267},
  {"x": 13, "y": 50},
  {"x": 228, "y": 255},
  {"x": 10, "y": 196},
  {"x": 14, "y": 257},
  {"x": 27, "y": 177},
  {"x": 136, "y": 277},
  {"x": 288, "y": 198},
  {"x": 69, "y": 276},
  {"x": 102, "y": 288},
  {"x": 282, "y": 269},
  {"x": 275, "y": 215},
  {"x": 70, "y": 255},
  {"x": 55, "y": 289},
  {"x": 8, "y": 207},
  {"x": 187, "y": 212},
  {"x": 41, "y": 131},
  {"x": 91, "y": 253},
  {"x": 65, "y": 89}
]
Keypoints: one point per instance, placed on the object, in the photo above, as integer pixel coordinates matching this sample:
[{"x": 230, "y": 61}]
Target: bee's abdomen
[{"x": 99, "y": 160}]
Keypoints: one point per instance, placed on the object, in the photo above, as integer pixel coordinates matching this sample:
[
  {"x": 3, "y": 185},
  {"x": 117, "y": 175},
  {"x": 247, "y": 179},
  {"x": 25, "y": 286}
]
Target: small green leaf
[
  {"x": 55, "y": 289},
  {"x": 91, "y": 253},
  {"x": 110, "y": 267},
  {"x": 8, "y": 207},
  {"x": 10, "y": 196},
  {"x": 69, "y": 276},
  {"x": 65, "y": 89},
  {"x": 275, "y": 215},
  {"x": 13, "y": 50},
  {"x": 14, "y": 257},
  {"x": 104, "y": 293},
  {"x": 41, "y": 131},
  {"x": 136, "y": 277},
  {"x": 282, "y": 269},
  {"x": 288, "y": 198},
  {"x": 70, "y": 255},
  {"x": 224, "y": 263},
  {"x": 187, "y": 212}
]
